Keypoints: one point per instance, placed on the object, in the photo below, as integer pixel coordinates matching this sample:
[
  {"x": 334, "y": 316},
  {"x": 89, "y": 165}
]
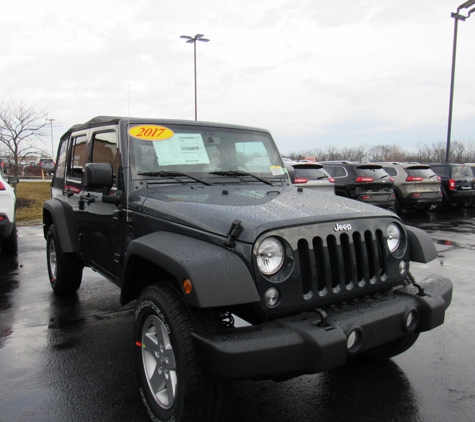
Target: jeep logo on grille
[{"x": 342, "y": 227}]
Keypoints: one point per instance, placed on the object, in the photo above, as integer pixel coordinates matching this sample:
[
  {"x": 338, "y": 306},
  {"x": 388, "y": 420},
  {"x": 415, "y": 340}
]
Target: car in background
[
  {"x": 457, "y": 183},
  {"x": 8, "y": 235},
  {"x": 4, "y": 164},
  {"x": 366, "y": 182},
  {"x": 415, "y": 185},
  {"x": 310, "y": 176},
  {"x": 47, "y": 165}
]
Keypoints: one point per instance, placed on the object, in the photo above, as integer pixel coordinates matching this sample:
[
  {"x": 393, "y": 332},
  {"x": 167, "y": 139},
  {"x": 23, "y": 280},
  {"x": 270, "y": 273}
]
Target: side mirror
[
  {"x": 13, "y": 180},
  {"x": 98, "y": 176}
]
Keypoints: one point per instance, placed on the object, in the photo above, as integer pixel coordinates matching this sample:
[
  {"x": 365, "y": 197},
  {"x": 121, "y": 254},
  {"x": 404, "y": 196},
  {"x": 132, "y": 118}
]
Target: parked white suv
[{"x": 8, "y": 235}]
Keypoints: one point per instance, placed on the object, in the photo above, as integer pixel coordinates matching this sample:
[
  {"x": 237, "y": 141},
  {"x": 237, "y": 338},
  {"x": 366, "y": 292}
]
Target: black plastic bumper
[
  {"x": 301, "y": 344},
  {"x": 6, "y": 227}
]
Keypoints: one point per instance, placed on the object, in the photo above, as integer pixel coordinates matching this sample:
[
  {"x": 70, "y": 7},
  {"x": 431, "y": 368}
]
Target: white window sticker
[
  {"x": 277, "y": 170},
  {"x": 182, "y": 148}
]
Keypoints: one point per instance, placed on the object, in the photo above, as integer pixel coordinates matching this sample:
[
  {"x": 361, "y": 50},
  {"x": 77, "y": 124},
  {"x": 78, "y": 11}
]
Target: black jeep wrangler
[{"x": 235, "y": 273}]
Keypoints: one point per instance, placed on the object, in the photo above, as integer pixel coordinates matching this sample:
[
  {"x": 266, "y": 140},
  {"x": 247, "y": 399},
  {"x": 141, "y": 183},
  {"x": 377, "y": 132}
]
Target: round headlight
[
  {"x": 394, "y": 237},
  {"x": 270, "y": 256}
]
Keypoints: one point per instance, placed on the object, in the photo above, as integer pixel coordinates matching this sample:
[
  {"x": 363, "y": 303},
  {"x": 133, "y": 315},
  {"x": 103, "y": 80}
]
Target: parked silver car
[
  {"x": 310, "y": 176},
  {"x": 415, "y": 185}
]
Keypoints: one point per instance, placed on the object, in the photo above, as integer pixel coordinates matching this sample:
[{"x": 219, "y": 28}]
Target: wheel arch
[
  {"x": 218, "y": 275},
  {"x": 61, "y": 215},
  {"x": 421, "y": 245}
]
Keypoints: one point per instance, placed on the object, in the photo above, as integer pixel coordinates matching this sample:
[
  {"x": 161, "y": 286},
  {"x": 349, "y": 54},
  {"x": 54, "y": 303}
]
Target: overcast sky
[{"x": 314, "y": 72}]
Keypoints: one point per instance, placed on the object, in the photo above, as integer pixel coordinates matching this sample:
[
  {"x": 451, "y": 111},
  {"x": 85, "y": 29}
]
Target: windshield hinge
[{"x": 234, "y": 232}]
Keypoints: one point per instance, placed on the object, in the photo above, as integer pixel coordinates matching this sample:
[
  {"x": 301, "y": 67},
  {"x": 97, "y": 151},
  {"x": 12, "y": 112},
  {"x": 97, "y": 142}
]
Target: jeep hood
[{"x": 259, "y": 208}]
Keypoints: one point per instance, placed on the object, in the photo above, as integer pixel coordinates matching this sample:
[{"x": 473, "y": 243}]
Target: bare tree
[{"x": 21, "y": 126}]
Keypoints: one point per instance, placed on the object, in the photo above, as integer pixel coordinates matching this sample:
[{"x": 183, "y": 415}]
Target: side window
[
  {"x": 78, "y": 157},
  {"x": 104, "y": 150},
  {"x": 391, "y": 171},
  {"x": 336, "y": 171},
  {"x": 440, "y": 171},
  {"x": 61, "y": 164}
]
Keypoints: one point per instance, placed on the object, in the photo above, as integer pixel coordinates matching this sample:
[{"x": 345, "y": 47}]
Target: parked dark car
[
  {"x": 415, "y": 185},
  {"x": 47, "y": 165},
  {"x": 4, "y": 164},
  {"x": 310, "y": 176},
  {"x": 457, "y": 183},
  {"x": 366, "y": 182}
]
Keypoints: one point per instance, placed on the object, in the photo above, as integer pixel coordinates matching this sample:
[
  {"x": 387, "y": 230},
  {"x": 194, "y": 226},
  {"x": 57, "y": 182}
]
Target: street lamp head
[
  {"x": 466, "y": 5},
  {"x": 457, "y": 16},
  {"x": 192, "y": 40}
]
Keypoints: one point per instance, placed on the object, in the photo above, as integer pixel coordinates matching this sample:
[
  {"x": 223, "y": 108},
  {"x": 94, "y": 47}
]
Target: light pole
[
  {"x": 457, "y": 17},
  {"x": 192, "y": 40},
  {"x": 52, "y": 145}
]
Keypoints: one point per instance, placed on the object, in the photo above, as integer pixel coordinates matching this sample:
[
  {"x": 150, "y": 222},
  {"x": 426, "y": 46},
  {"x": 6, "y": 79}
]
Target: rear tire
[
  {"x": 64, "y": 269},
  {"x": 10, "y": 244},
  {"x": 172, "y": 385}
]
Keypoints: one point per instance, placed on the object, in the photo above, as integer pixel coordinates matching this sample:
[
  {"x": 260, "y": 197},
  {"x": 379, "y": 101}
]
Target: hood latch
[{"x": 234, "y": 232}]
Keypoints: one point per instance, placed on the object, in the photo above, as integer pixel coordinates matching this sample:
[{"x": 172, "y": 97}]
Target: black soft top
[{"x": 111, "y": 120}]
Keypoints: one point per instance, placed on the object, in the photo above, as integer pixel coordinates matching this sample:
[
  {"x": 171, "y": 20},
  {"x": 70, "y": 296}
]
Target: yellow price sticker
[{"x": 151, "y": 132}]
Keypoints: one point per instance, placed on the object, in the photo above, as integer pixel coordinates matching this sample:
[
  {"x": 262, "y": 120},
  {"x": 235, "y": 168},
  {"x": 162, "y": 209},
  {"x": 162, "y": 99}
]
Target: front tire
[
  {"x": 172, "y": 385},
  {"x": 64, "y": 269}
]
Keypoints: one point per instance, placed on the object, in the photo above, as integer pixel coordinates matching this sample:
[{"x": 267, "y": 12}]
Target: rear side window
[
  {"x": 442, "y": 171},
  {"x": 61, "y": 166},
  {"x": 337, "y": 171},
  {"x": 391, "y": 171}
]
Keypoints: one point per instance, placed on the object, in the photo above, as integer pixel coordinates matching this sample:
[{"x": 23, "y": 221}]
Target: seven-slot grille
[{"x": 341, "y": 262}]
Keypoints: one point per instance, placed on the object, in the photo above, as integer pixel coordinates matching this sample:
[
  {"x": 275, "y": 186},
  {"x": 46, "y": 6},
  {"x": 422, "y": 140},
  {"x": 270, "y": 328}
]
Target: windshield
[
  {"x": 374, "y": 172},
  {"x": 461, "y": 171},
  {"x": 200, "y": 151},
  {"x": 425, "y": 173},
  {"x": 311, "y": 172}
]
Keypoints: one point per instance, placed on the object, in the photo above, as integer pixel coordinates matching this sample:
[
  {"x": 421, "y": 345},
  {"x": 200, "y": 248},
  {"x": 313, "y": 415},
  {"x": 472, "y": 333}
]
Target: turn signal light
[{"x": 187, "y": 286}]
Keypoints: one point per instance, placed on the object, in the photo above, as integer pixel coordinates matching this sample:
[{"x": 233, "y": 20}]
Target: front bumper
[{"x": 301, "y": 344}]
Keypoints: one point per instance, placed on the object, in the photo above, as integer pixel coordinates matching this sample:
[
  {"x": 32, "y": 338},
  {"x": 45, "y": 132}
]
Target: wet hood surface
[{"x": 259, "y": 208}]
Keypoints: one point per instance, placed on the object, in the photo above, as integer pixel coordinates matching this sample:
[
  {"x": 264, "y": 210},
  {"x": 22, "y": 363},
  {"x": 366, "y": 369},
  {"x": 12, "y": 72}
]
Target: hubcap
[
  {"x": 159, "y": 362},
  {"x": 52, "y": 258}
]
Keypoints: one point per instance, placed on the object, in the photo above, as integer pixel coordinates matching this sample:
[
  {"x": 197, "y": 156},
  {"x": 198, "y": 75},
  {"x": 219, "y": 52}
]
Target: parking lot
[{"x": 71, "y": 359}]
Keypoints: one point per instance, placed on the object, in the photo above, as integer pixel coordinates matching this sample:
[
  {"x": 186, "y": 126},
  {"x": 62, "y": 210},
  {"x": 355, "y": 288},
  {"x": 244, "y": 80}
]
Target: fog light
[
  {"x": 272, "y": 297},
  {"x": 354, "y": 340},
  {"x": 402, "y": 267},
  {"x": 412, "y": 318}
]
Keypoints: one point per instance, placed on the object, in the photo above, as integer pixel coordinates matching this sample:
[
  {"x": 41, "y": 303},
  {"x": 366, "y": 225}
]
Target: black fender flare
[
  {"x": 218, "y": 275},
  {"x": 421, "y": 245},
  {"x": 61, "y": 214}
]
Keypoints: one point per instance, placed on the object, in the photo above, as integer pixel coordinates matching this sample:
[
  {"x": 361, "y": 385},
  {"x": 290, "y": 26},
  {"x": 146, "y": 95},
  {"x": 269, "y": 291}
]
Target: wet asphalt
[{"x": 70, "y": 359}]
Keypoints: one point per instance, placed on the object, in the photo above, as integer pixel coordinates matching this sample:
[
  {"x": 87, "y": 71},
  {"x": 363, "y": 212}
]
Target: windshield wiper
[
  {"x": 237, "y": 173},
  {"x": 172, "y": 175},
  {"x": 322, "y": 177}
]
